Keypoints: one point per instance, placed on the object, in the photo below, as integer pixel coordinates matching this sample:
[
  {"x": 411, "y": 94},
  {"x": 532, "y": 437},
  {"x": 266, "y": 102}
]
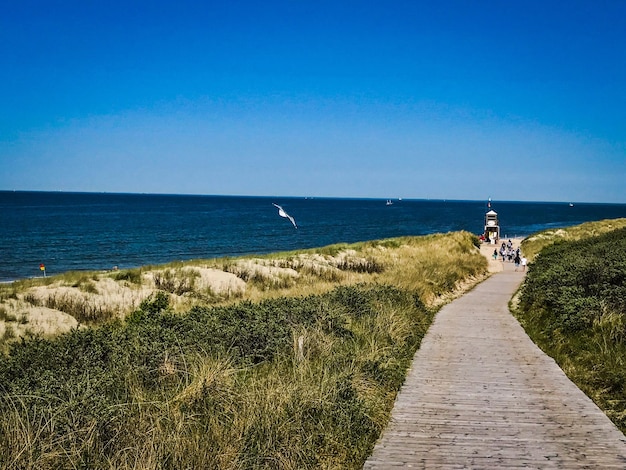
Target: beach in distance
[{"x": 99, "y": 231}]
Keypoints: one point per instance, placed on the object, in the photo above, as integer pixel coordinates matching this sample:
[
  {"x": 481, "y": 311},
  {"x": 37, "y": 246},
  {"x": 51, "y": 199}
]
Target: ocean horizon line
[{"x": 301, "y": 197}]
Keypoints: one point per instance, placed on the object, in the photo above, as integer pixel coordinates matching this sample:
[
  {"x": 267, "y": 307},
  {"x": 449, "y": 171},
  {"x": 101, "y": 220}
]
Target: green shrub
[
  {"x": 32, "y": 299},
  {"x": 177, "y": 281},
  {"x": 9, "y": 332},
  {"x": 105, "y": 390},
  {"x": 85, "y": 310},
  {"x": 132, "y": 275},
  {"x": 573, "y": 304},
  {"x": 574, "y": 282}
]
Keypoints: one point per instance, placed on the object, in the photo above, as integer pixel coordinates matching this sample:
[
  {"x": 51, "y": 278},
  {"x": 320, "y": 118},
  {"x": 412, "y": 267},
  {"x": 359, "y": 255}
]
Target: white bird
[{"x": 282, "y": 213}]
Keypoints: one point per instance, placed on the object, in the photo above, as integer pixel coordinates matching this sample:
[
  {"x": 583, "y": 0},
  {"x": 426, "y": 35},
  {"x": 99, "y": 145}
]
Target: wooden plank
[{"x": 480, "y": 394}]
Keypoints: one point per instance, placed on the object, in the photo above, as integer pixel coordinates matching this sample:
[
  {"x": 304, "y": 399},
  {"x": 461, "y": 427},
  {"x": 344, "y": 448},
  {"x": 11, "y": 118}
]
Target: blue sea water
[{"x": 93, "y": 231}]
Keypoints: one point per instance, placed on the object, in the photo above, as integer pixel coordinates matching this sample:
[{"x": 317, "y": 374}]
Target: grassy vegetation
[
  {"x": 286, "y": 377},
  {"x": 131, "y": 275},
  {"x": 92, "y": 298},
  {"x": 573, "y": 305},
  {"x": 532, "y": 245}
]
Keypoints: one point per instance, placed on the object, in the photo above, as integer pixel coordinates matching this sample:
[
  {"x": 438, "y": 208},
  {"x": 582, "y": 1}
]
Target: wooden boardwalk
[{"x": 480, "y": 394}]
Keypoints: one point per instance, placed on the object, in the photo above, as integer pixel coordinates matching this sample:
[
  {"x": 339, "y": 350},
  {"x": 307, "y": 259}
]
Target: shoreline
[
  {"x": 166, "y": 263},
  {"x": 95, "y": 232}
]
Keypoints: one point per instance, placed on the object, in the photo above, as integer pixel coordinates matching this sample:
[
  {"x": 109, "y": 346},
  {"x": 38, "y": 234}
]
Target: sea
[{"x": 66, "y": 231}]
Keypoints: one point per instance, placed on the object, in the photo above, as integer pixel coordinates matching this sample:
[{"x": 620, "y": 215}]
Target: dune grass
[
  {"x": 304, "y": 377},
  {"x": 532, "y": 245},
  {"x": 96, "y": 297},
  {"x": 573, "y": 305}
]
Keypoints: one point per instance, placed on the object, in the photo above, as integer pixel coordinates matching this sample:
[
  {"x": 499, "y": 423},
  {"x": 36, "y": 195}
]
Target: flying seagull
[{"x": 282, "y": 213}]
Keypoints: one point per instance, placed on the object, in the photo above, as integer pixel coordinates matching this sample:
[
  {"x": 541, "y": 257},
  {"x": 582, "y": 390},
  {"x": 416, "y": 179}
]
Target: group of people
[{"x": 507, "y": 253}]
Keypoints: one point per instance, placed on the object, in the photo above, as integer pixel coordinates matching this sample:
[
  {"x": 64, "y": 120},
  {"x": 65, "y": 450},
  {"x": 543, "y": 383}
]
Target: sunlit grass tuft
[{"x": 532, "y": 245}]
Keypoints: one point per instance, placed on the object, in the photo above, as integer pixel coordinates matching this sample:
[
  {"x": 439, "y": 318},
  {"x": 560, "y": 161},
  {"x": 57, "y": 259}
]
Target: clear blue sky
[{"x": 514, "y": 100}]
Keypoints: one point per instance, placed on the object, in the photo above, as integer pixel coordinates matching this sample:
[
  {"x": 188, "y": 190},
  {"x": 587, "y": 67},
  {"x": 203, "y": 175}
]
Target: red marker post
[{"x": 43, "y": 269}]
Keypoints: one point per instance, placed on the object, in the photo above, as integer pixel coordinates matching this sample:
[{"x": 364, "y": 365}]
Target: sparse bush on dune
[
  {"x": 32, "y": 299},
  {"x": 177, "y": 282},
  {"x": 322, "y": 273},
  {"x": 131, "y": 275},
  {"x": 81, "y": 308},
  {"x": 360, "y": 265}
]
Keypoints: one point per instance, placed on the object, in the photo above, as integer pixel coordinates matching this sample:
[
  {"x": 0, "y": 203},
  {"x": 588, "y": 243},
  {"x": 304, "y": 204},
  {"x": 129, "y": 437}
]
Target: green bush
[
  {"x": 132, "y": 275},
  {"x": 103, "y": 396},
  {"x": 176, "y": 282},
  {"x": 82, "y": 308},
  {"x": 575, "y": 282},
  {"x": 573, "y": 305}
]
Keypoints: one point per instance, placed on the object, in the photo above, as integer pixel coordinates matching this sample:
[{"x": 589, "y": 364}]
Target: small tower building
[{"x": 492, "y": 227}]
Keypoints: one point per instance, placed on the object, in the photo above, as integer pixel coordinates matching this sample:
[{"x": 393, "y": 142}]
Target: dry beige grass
[
  {"x": 62, "y": 303},
  {"x": 536, "y": 242},
  {"x": 118, "y": 297}
]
